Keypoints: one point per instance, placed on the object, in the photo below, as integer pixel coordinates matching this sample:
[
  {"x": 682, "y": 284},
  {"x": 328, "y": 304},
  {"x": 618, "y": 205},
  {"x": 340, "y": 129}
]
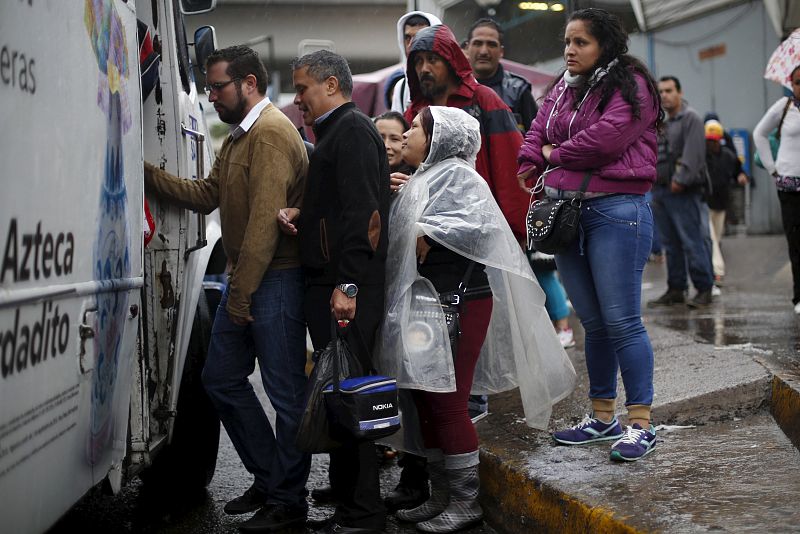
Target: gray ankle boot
[
  {"x": 463, "y": 510},
  {"x": 440, "y": 496}
]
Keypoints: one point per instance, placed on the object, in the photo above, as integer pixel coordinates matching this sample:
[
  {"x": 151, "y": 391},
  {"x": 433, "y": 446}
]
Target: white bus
[{"x": 102, "y": 336}]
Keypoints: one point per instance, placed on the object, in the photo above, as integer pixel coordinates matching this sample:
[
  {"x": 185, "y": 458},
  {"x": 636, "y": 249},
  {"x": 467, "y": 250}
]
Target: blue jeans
[
  {"x": 682, "y": 219},
  {"x": 556, "y": 297},
  {"x": 277, "y": 338},
  {"x": 602, "y": 272},
  {"x": 657, "y": 247}
]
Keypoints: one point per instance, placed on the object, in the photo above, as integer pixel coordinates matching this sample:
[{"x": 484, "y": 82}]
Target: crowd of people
[{"x": 428, "y": 203}]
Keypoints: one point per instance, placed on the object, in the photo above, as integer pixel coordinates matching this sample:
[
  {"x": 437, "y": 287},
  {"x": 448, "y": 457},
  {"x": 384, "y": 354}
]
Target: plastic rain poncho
[{"x": 447, "y": 200}]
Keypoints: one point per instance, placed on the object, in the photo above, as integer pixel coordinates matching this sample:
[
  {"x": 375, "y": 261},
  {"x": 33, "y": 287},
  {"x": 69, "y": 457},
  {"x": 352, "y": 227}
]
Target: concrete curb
[
  {"x": 785, "y": 405},
  {"x": 513, "y": 502},
  {"x": 720, "y": 405}
]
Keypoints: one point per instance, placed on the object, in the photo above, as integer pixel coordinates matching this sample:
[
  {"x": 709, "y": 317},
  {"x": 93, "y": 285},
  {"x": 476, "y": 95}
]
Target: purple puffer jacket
[{"x": 619, "y": 149}]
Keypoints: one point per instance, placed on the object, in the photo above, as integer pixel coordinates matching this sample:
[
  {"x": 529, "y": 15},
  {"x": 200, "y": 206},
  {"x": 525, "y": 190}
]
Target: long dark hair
[{"x": 613, "y": 41}]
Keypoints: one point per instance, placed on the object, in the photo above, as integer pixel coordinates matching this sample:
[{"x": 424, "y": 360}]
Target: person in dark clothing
[
  {"x": 724, "y": 170},
  {"x": 727, "y": 140},
  {"x": 342, "y": 229},
  {"x": 678, "y": 207},
  {"x": 484, "y": 51},
  {"x": 734, "y": 214}
]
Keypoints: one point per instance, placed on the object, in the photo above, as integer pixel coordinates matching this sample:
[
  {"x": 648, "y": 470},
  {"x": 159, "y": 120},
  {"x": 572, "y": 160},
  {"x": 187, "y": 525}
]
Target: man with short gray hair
[{"x": 342, "y": 228}]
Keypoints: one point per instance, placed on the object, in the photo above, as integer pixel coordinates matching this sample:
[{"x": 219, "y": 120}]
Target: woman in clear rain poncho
[{"x": 444, "y": 219}]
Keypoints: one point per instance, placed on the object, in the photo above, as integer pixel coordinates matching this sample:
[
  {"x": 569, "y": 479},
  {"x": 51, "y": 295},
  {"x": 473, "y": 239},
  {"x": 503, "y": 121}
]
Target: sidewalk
[{"x": 731, "y": 372}]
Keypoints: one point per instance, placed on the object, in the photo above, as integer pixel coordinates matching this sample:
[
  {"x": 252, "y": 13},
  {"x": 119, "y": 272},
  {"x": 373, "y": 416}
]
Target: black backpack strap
[{"x": 783, "y": 116}]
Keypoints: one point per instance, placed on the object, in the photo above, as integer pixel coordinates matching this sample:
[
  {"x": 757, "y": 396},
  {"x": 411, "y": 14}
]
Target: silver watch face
[{"x": 349, "y": 289}]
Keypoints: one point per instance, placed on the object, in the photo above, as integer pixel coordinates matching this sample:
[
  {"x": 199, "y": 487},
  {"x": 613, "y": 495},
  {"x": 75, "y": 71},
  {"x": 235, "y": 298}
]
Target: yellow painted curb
[
  {"x": 785, "y": 405},
  {"x": 515, "y": 503}
]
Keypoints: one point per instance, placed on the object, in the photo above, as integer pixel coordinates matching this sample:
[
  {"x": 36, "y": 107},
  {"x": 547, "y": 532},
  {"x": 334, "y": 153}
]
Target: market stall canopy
[{"x": 652, "y": 15}]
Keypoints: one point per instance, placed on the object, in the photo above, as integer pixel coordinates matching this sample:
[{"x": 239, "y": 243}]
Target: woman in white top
[{"x": 785, "y": 168}]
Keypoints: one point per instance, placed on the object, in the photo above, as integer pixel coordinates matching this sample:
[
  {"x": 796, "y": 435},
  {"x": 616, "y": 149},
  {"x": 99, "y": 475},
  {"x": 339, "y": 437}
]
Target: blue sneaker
[
  {"x": 590, "y": 430},
  {"x": 635, "y": 444}
]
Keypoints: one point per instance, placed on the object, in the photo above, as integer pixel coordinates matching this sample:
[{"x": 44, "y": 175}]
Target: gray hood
[{"x": 433, "y": 19}]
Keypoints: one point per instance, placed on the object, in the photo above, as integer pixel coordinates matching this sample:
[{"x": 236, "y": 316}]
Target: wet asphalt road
[
  {"x": 754, "y": 309},
  {"x": 136, "y": 510}
]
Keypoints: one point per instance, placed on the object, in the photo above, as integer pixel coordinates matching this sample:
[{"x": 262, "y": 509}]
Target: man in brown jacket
[{"x": 261, "y": 168}]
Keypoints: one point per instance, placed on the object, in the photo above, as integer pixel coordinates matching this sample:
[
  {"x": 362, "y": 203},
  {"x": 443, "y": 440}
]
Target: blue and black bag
[{"x": 362, "y": 408}]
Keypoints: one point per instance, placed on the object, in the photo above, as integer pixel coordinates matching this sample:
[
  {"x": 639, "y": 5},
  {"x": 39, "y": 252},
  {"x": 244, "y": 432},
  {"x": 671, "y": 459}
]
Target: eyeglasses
[{"x": 218, "y": 86}]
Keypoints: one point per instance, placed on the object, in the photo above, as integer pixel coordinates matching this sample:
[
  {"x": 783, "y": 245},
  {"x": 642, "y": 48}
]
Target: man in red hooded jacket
[{"x": 440, "y": 75}]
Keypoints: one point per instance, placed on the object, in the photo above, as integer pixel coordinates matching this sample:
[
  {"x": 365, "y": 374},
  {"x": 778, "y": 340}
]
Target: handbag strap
[
  {"x": 462, "y": 286},
  {"x": 540, "y": 184},
  {"x": 584, "y": 185},
  {"x": 454, "y": 298}
]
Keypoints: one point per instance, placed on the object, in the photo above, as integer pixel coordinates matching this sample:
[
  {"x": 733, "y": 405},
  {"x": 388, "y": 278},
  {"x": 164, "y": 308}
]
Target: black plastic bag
[{"x": 314, "y": 433}]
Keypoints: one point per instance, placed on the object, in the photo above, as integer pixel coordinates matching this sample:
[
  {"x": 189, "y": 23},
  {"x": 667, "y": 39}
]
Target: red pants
[{"x": 443, "y": 416}]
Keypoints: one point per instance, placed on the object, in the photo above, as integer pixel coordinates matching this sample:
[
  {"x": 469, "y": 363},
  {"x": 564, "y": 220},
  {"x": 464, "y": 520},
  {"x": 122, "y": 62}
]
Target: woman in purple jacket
[{"x": 601, "y": 117}]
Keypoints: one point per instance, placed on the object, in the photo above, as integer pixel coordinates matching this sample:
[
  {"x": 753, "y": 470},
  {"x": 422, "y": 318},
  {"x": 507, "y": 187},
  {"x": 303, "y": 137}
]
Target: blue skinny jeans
[{"x": 602, "y": 273}]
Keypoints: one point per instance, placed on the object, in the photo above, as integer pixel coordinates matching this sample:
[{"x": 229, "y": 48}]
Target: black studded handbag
[{"x": 552, "y": 224}]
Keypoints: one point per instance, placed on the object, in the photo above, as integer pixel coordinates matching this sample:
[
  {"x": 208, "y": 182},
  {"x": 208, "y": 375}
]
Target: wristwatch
[{"x": 351, "y": 290}]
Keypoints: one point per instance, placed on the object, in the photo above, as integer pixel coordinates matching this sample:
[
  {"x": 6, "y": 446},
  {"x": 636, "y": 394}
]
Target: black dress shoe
[
  {"x": 335, "y": 528},
  {"x": 670, "y": 298},
  {"x": 272, "y": 517},
  {"x": 324, "y": 495},
  {"x": 404, "y": 497},
  {"x": 703, "y": 299},
  {"x": 250, "y": 501}
]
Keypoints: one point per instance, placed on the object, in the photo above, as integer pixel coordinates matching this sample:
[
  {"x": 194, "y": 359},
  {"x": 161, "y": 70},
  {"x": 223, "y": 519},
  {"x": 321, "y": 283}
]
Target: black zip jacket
[{"x": 343, "y": 222}]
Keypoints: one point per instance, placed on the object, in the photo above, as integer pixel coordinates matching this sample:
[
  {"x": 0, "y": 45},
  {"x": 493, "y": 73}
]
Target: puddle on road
[{"x": 765, "y": 329}]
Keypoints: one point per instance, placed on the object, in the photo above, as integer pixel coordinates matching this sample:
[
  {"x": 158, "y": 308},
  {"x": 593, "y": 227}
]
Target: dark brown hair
[
  {"x": 392, "y": 116},
  {"x": 426, "y": 120},
  {"x": 242, "y": 61},
  {"x": 613, "y": 41}
]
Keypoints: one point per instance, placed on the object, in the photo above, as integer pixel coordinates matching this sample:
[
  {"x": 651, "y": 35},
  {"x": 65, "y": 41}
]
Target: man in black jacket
[
  {"x": 342, "y": 228},
  {"x": 484, "y": 51}
]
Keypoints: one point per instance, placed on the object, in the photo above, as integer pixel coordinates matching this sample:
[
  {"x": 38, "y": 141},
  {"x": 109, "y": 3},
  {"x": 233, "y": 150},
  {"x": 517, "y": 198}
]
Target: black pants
[
  {"x": 790, "y": 213},
  {"x": 354, "y": 467}
]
